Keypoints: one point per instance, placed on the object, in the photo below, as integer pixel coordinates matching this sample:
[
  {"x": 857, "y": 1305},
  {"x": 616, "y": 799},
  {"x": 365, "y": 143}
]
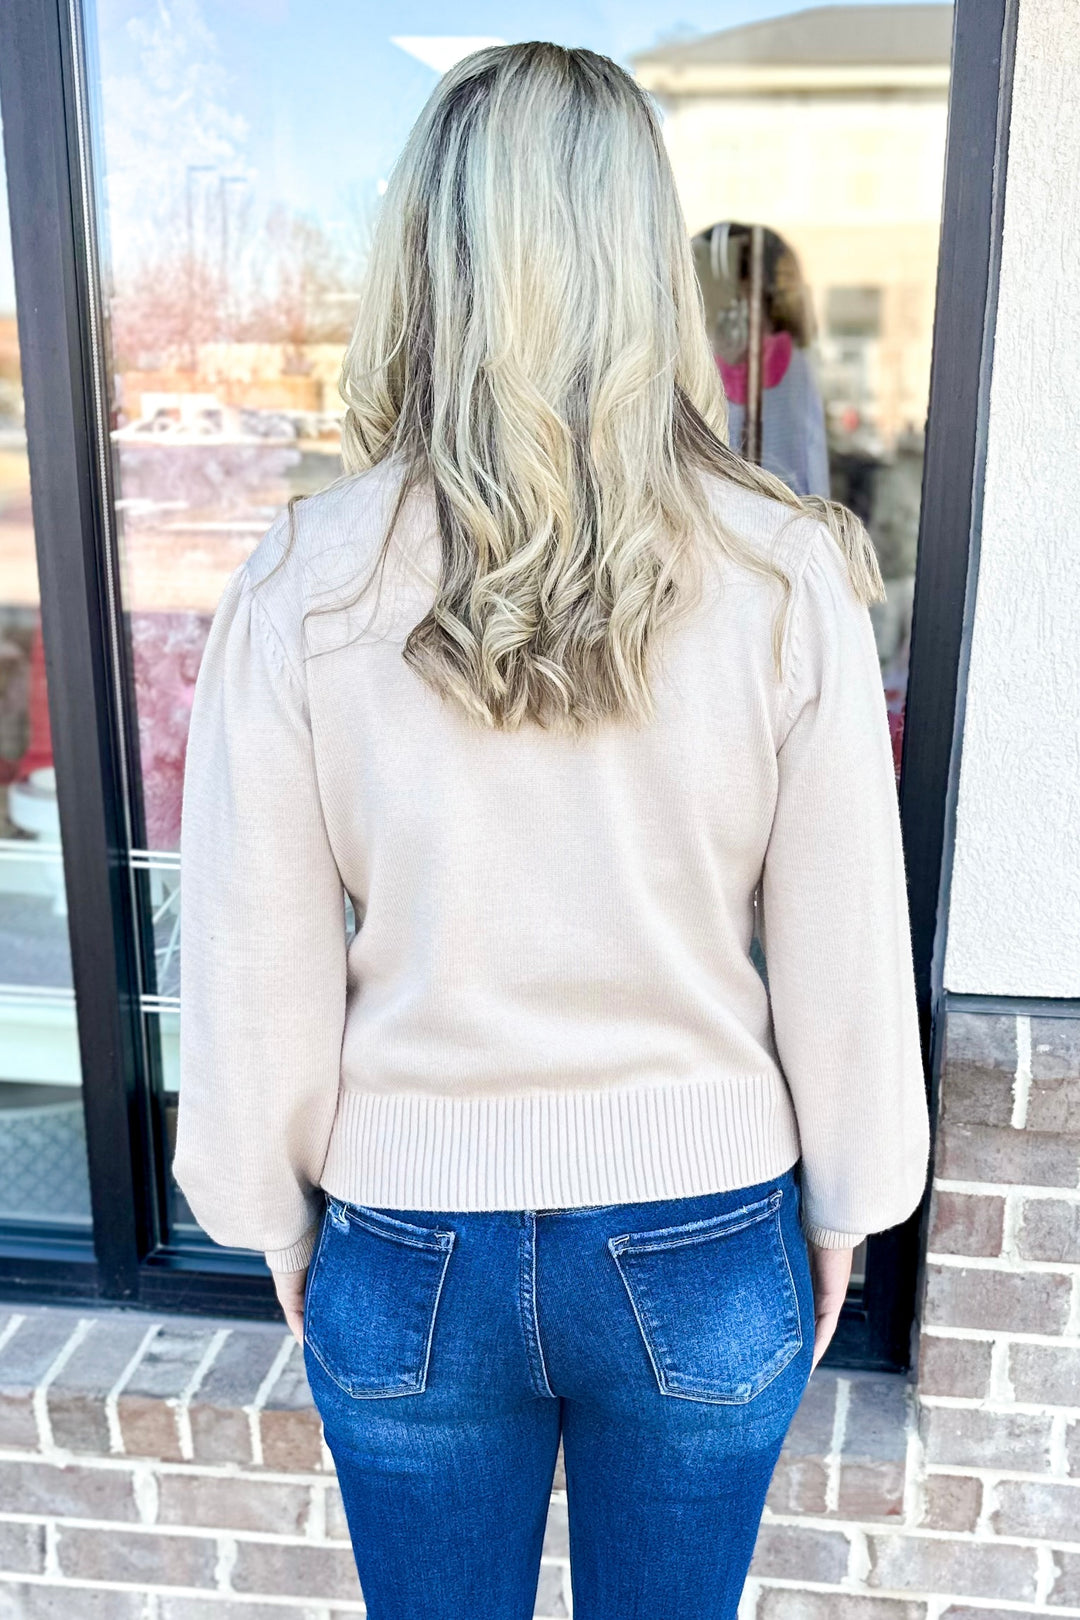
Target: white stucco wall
[{"x": 1014, "y": 912}]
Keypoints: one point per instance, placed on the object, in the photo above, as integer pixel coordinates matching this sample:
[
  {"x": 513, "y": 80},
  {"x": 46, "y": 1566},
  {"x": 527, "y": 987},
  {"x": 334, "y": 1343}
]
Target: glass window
[
  {"x": 43, "y": 1174},
  {"x": 827, "y": 130},
  {"x": 809, "y": 153},
  {"x": 242, "y": 154}
]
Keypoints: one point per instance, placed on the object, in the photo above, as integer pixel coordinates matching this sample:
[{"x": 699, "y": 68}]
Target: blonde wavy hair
[{"x": 531, "y": 347}]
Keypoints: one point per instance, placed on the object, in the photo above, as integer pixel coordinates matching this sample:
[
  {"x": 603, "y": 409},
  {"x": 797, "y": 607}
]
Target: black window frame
[{"x": 49, "y": 151}]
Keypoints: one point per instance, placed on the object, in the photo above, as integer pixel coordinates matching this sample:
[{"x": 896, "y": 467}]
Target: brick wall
[
  {"x": 956, "y": 1492},
  {"x": 174, "y": 1470}
]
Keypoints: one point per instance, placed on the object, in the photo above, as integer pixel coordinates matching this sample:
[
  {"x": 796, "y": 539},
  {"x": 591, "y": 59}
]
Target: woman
[
  {"x": 793, "y": 437},
  {"x": 560, "y": 692}
]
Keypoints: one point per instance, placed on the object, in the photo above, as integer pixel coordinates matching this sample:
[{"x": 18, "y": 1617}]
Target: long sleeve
[
  {"x": 263, "y": 966},
  {"x": 837, "y": 938}
]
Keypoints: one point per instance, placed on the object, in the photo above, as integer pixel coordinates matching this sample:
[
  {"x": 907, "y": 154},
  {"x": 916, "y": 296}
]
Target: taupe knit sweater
[{"x": 550, "y": 999}]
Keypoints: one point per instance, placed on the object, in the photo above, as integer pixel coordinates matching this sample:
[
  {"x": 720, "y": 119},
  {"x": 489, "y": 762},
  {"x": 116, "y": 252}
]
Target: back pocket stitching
[
  {"x": 416, "y": 1237},
  {"x": 409, "y": 1385},
  {"x": 651, "y": 1336},
  {"x": 677, "y": 1237}
]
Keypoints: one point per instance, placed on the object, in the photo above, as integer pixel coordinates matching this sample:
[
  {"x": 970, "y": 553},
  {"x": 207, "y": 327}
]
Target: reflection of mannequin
[{"x": 792, "y": 416}]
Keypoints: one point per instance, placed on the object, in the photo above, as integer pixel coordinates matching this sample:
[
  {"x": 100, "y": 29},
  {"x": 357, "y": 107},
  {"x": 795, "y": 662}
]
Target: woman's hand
[
  {"x": 289, "y": 1288},
  {"x": 830, "y": 1270}
]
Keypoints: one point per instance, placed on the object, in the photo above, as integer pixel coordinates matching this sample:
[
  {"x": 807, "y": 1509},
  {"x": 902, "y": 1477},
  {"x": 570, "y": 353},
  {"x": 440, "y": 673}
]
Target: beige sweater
[{"x": 549, "y": 1001}]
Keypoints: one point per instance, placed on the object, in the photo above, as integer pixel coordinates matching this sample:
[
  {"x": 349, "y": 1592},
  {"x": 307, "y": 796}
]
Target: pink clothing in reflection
[{"x": 775, "y": 359}]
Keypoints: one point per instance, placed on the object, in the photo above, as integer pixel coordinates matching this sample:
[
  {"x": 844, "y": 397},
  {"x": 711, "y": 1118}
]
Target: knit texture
[{"x": 550, "y": 1000}]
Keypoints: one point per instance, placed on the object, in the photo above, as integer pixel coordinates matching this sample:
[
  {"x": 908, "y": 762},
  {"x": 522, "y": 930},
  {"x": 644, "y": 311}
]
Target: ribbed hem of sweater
[
  {"x": 559, "y": 1150},
  {"x": 823, "y": 1237},
  {"x": 297, "y": 1257}
]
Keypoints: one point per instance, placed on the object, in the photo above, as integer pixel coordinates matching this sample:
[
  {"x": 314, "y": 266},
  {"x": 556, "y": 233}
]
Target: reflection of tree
[
  {"x": 284, "y": 282},
  {"x": 194, "y": 259},
  {"x": 167, "y": 129},
  {"x": 303, "y": 293},
  {"x": 162, "y": 305}
]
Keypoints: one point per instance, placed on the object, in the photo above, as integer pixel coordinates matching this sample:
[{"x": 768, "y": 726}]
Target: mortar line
[
  {"x": 112, "y": 1399},
  {"x": 1022, "y": 1075}
]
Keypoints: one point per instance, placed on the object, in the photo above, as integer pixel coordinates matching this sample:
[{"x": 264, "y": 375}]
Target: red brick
[
  {"x": 1045, "y": 1375},
  {"x": 1044, "y": 1512},
  {"x": 966, "y": 1223},
  {"x": 291, "y": 1440},
  {"x": 142, "y": 1558},
  {"x": 798, "y": 1485},
  {"x": 1008, "y": 1301},
  {"x": 950, "y": 1366},
  {"x": 956, "y": 1612},
  {"x": 24, "y": 1361},
  {"x": 951, "y": 1502},
  {"x": 208, "y": 1501},
  {"x": 294, "y": 1571},
  {"x": 146, "y": 1406},
  {"x": 966, "y": 1568},
  {"x": 1054, "y": 1093},
  {"x": 780, "y": 1603},
  {"x": 22, "y": 1550},
  {"x": 74, "y": 1492},
  {"x": 337, "y": 1526},
  {"x": 978, "y": 1066},
  {"x": 70, "y": 1603},
  {"x": 148, "y": 1426},
  {"x": 811, "y": 1429},
  {"x": 189, "y": 1608},
  {"x": 876, "y": 1423},
  {"x": 76, "y": 1397},
  {"x": 799, "y": 1479},
  {"x": 1049, "y": 1230},
  {"x": 871, "y": 1490},
  {"x": 790, "y": 1552},
  {"x": 992, "y": 1153},
  {"x": 220, "y": 1430},
  {"x": 289, "y": 1424},
  {"x": 1066, "y": 1587},
  {"x": 969, "y": 1437},
  {"x": 220, "y": 1434}
]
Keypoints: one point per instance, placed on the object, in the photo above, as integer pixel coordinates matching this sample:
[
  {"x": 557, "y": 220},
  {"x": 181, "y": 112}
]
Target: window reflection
[
  {"x": 789, "y": 438},
  {"x": 826, "y": 128},
  {"x": 43, "y": 1174}
]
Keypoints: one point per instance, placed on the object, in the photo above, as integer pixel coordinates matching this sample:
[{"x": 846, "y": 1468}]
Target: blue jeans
[{"x": 668, "y": 1342}]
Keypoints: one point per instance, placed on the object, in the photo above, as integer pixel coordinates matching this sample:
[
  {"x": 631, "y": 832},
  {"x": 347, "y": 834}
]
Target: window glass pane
[
  {"x": 43, "y": 1178},
  {"x": 241, "y": 173}
]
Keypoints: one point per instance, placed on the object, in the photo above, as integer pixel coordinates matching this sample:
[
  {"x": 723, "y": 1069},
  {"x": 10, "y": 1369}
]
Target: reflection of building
[
  {"x": 829, "y": 126},
  {"x": 273, "y": 377}
]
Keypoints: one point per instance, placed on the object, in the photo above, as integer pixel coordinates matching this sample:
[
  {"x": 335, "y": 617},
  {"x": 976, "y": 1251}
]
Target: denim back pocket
[
  {"x": 374, "y": 1289},
  {"x": 715, "y": 1301}
]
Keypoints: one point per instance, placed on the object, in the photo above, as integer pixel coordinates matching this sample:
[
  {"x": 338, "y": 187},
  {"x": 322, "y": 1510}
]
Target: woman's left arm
[{"x": 263, "y": 946}]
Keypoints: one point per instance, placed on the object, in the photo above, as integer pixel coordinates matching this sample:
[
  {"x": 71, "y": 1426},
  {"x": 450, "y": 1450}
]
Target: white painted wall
[{"x": 1014, "y": 915}]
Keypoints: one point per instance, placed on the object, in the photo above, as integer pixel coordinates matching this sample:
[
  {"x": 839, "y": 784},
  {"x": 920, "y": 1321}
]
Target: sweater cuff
[
  {"x": 823, "y": 1237},
  {"x": 297, "y": 1257}
]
